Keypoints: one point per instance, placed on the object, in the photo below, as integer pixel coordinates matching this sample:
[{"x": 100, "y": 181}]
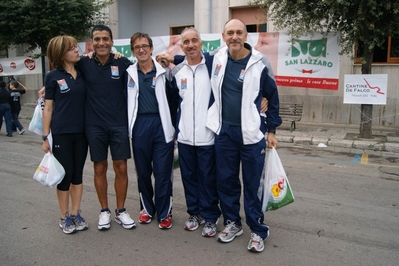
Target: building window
[
  {"x": 178, "y": 30},
  {"x": 257, "y": 28},
  {"x": 388, "y": 53},
  {"x": 252, "y": 17}
]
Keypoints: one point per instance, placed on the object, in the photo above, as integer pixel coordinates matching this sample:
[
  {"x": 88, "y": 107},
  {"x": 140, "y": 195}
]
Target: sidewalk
[
  {"x": 344, "y": 136},
  {"x": 331, "y": 135}
]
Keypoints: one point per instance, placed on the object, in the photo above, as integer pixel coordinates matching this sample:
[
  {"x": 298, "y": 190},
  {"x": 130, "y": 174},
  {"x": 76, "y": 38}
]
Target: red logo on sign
[
  {"x": 13, "y": 65},
  {"x": 30, "y": 64},
  {"x": 1, "y": 68}
]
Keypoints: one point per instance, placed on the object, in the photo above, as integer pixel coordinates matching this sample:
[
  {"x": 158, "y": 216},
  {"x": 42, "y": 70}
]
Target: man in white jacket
[
  {"x": 151, "y": 129},
  {"x": 241, "y": 76},
  {"x": 195, "y": 141}
]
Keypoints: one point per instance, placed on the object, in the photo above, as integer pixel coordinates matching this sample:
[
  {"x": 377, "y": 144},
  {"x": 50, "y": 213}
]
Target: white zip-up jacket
[
  {"x": 258, "y": 82},
  {"x": 160, "y": 93},
  {"x": 195, "y": 93}
]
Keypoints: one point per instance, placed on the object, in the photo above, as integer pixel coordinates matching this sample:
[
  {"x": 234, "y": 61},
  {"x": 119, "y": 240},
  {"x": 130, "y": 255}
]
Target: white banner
[
  {"x": 366, "y": 89},
  {"x": 20, "y": 66},
  {"x": 308, "y": 62}
]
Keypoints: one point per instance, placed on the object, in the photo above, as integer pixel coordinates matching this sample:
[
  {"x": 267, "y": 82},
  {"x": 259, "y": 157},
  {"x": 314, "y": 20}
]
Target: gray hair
[{"x": 190, "y": 28}]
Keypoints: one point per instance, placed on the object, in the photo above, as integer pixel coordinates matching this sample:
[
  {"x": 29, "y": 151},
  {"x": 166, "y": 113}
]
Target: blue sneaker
[
  {"x": 68, "y": 227},
  {"x": 79, "y": 222}
]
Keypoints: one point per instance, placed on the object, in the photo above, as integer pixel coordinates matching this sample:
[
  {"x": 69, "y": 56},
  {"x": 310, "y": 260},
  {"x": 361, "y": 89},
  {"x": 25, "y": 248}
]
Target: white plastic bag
[
  {"x": 35, "y": 125},
  {"x": 277, "y": 190},
  {"x": 49, "y": 172}
]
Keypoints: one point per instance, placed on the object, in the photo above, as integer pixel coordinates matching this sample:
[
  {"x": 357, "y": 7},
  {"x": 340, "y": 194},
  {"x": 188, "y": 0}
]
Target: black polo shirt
[
  {"x": 69, "y": 96},
  {"x": 106, "y": 90}
]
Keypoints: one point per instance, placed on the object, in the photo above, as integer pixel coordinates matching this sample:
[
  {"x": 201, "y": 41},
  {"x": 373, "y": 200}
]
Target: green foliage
[
  {"x": 368, "y": 21},
  {"x": 35, "y": 22}
]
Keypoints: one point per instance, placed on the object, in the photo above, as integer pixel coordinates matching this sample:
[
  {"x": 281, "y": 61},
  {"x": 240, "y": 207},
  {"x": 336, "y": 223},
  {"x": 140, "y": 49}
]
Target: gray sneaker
[
  {"x": 256, "y": 243},
  {"x": 193, "y": 222},
  {"x": 209, "y": 229},
  {"x": 62, "y": 223},
  {"x": 79, "y": 222},
  {"x": 230, "y": 232},
  {"x": 69, "y": 227}
]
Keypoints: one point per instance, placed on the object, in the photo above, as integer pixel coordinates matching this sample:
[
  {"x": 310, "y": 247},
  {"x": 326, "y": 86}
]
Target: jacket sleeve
[
  {"x": 172, "y": 94},
  {"x": 177, "y": 59},
  {"x": 269, "y": 90}
]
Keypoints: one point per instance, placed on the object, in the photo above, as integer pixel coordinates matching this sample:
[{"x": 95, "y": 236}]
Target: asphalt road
[{"x": 346, "y": 212}]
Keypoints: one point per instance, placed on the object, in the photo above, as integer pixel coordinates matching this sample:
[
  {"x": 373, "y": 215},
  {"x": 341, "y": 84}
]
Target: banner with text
[
  {"x": 366, "y": 89},
  {"x": 307, "y": 62}
]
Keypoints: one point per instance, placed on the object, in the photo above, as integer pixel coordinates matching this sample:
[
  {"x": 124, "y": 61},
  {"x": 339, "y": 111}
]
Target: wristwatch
[
  {"x": 272, "y": 131},
  {"x": 44, "y": 137}
]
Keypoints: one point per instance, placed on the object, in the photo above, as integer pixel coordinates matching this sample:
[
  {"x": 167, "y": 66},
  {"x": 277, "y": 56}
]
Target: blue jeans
[
  {"x": 5, "y": 110},
  {"x": 15, "y": 122}
]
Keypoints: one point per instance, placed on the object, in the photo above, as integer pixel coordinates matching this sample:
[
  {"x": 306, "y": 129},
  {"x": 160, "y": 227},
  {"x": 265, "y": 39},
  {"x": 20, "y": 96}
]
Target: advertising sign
[
  {"x": 309, "y": 61},
  {"x": 20, "y": 66},
  {"x": 366, "y": 89}
]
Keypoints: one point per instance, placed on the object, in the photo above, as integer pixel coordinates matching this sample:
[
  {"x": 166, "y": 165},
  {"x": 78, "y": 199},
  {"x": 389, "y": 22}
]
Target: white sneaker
[
  {"x": 209, "y": 229},
  {"x": 230, "y": 232},
  {"x": 104, "y": 220},
  {"x": 192, "y": 223},
  {"x": 256, "y": 243},
  {"x": 123, "y": 218}
]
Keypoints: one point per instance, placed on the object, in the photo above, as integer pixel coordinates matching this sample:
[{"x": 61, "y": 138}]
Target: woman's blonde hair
[{"x": 57, "y": 47}]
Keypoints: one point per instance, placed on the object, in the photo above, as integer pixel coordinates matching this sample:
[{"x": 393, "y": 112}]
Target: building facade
[{"x": 169, "y": 17}]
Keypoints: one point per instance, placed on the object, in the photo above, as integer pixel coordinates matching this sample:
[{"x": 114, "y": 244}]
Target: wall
[
  {"x": 130, "y": 16},
  {"x": 153, "y": 16}
]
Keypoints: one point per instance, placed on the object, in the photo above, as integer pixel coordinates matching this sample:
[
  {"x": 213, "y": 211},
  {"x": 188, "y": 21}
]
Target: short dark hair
[
  {"x": 101, "y": 28},
  {"x": 139, "y": 35},
  {"x": 2, "y": 84},
  {"x": 15, "y": 84}
]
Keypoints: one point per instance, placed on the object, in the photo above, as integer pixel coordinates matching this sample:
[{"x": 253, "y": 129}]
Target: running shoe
[
  {"x": 123, "y": 218},
  {"x": 230, "y": 232},
  {"x": 256, "y": 243},
  {"x": 104, "y": 220},
  {"x": 79, "y": 222},
  {"x": 166, "y": 223},
  {"x": 69, "y": 227},
  {"x": 209, "y": 229},
  {"x": 144, "y": 217},
  {"x": 192, "y": 223}
]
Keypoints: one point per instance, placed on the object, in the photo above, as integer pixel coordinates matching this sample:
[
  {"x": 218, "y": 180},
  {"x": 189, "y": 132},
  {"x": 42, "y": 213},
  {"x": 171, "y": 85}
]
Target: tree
[
  {"x": 358, "y": 21},
  {"x": 35, "y": 22}
]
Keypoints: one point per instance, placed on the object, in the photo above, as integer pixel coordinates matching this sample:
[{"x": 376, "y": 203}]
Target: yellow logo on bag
[{"x": 278, "y": 188}]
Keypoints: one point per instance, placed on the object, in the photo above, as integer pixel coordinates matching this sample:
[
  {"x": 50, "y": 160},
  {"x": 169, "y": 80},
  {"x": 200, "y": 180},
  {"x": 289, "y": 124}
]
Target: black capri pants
[{"x": 71, "y": 151}]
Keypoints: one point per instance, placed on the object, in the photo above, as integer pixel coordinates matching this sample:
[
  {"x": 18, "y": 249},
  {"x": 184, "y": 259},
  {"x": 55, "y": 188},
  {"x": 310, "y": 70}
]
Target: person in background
[
  {"x": 241, "y": 76},
  {"x": 5, "y": 109},
  {"x": 150, "y": 114},
  {"x": 15, "y": 102},
  {"x": 63, "y": 115},
  {"x": 106, "y": 123},
  {"x": 195, "y": 141}
]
